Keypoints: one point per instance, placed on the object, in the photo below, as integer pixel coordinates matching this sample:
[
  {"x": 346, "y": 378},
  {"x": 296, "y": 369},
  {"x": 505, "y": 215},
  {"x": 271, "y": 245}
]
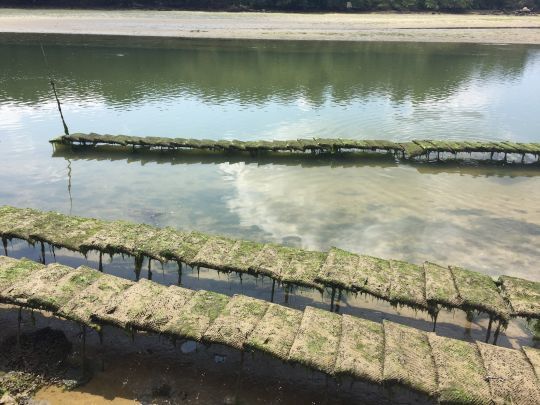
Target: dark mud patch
[{"x": 39, "y": 359}]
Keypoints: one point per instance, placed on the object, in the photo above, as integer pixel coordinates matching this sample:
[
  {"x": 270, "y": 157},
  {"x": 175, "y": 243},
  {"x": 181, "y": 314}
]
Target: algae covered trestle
[
  {"x": 417, "y": 149},
  {"x": 428, "y": 287},
  {"x": 446, "y": 369}
]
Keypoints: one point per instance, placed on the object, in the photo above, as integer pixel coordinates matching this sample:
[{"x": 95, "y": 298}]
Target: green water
[{"x": 483, "y": 217}]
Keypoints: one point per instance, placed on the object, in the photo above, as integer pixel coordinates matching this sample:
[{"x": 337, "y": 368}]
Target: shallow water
[{"x": 484, "y": 217}]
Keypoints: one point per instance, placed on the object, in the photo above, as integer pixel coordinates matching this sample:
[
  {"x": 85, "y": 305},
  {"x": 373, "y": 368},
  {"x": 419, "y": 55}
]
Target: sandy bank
[{"x": 345, "y": 27}]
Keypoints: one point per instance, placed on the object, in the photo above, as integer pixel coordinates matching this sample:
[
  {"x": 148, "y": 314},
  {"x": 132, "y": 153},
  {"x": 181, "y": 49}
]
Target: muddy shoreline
[
  {"x": 146, "y": 368},
  {"x": 409, "y": 27}
]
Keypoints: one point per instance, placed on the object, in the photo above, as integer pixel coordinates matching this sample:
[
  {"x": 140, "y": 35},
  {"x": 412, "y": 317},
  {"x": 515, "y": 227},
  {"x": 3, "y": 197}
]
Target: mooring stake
[
  {"x": 138, "y": 266},
  {"x": 179, "y": 273},
  {"x": 338, "y": 300},
  {"x": 51, "y": 81},
  {"x": 488, "y": 334},
  {"x": 496, "y": 335},
  {"x": 4, "y": 242},
  {"x": 149, "y": 269},
  {"x": 333, "y": 296},
  {"x": 100, "y": 266},
  {"x": 42, "y": 252},
  {"x": 273, "y": 290},
  {"x": 435, "y": 316}
]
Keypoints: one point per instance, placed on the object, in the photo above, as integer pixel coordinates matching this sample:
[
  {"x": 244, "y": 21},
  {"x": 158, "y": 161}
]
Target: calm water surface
[{"x": 483, "y": 217}]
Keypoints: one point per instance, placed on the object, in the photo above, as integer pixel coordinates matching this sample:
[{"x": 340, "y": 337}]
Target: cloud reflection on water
[{"x": 394, "y": 212}]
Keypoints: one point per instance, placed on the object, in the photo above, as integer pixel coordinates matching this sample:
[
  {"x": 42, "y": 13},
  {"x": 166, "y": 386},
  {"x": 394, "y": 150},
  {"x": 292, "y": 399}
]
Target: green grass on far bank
[{"x": 291, "y": 5}]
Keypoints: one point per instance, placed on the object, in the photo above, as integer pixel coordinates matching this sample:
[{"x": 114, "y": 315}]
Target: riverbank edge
[{"x": 491, "y": 28}]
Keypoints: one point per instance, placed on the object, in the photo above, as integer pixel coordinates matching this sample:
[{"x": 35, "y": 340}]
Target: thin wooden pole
[
  {"x": 138, "y": 266},
  {"x": 496, "y": 335},
  {"x": 100, "y": 267},
  {"x": 488, "y": 334},
  {"x": 338, "y": 300},
  {"x": 179, "y": 273},
  {"x": 273, "y": 290},
  {"x": 435, "y": 316},
  {"x": 42, "y": 252},
  {"x": 51, "y": 81}
]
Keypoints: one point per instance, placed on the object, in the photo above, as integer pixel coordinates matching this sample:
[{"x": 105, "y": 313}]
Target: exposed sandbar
[{"x": 417, "y": 27}]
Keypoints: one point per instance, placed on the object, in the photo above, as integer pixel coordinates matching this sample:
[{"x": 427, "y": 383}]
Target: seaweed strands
[
  {"x": 384, "y": 354},
  {"x": 419, "y": 148},
  {"x": 416, "y": 149},
  {"x": 429, "y": 287},
  {"x": 454, "y": 287}
]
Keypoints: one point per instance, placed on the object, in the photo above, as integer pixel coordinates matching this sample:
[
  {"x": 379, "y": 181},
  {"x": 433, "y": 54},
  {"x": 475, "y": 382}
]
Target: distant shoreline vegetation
[{"x": 287, "y": 5}]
